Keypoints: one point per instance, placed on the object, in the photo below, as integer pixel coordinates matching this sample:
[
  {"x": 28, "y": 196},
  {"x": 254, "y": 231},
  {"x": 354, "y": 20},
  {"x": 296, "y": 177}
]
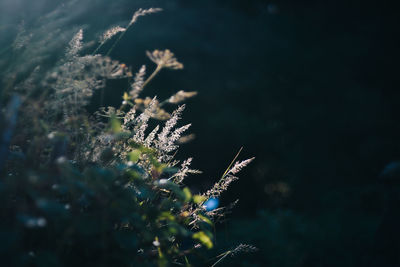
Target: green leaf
[
  {"x": 159, "y": 167},
  {"x": 174, "y": 188},
  {"x": 134, "y": 155},
  {"x": 125, "y": 96},
  {"x": 187, "y": 193},
  {"x": 198, "y": 199},
  {"x": 166, "y": 215},
  {"x": 204, "y": 239},
  {"x": 125, "y": 239},
  {"x": 205, "y": 219},
  {"x": 115, "y": 124}
]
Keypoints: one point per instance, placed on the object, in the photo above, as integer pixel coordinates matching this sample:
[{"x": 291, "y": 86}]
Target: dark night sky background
[{"x": 311, "y": 88}]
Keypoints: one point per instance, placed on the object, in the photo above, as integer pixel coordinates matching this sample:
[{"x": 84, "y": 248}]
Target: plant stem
[
  {"x": 101, "y": 97},
  {"x": 98, "y": 47},
  {"x": 230, "y": 165},
  {"x": 187, "y": 261},
  {"x": 226, "y": 254},
  {"x": 159, "y": 67},
  {"x": 116, "y": 41}
]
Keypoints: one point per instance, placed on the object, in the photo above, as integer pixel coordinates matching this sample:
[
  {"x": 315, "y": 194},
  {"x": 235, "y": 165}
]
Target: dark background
[{"x": 310, "y": 88}]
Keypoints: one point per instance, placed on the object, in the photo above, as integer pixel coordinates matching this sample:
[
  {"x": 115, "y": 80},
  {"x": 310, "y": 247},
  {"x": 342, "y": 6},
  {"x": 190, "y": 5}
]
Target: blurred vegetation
[
  {"x": 309, "y": 87},
  {"x": 96, "y": 188}
]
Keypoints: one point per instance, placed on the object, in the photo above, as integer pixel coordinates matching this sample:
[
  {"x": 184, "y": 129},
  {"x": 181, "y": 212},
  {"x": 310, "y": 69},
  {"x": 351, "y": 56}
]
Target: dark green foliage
[
  {"x": 98, "y": 189},
  {"x": 102, "y": 216}
]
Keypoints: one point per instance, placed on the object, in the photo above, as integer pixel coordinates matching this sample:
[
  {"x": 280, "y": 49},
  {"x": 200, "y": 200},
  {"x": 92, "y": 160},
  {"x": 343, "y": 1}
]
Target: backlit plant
[{"x": 99, "y": 189}]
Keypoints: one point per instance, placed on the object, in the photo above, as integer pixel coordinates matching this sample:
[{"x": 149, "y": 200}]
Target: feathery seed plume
[
  {"x": 163, "y": 136},
  {"x": 240, "y": 165},
  {"x": 143, "y": 12},
  {"x": 150, "y": 138},
  {"x": 137, "y": 85},
  {"x": 181, "y": 96},
  {"x": 107, "y": 35},
  {"x": 141, "y": 122},
  {"x": 75, "y": 45},
  {"x": 184, "y": 171}
]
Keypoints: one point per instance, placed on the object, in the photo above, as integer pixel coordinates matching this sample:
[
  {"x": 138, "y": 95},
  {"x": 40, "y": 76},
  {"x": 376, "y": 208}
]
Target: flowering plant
[{"x": 100, "y": 189}]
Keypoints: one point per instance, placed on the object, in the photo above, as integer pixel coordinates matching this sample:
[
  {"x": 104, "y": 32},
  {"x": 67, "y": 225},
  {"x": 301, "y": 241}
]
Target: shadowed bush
[{"x": 98, "y": 189}]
